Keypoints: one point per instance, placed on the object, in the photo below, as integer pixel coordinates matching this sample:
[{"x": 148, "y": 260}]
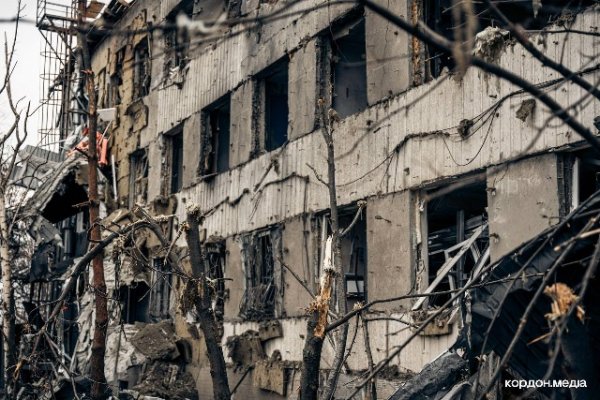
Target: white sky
[{"x": 25, "y": 82}]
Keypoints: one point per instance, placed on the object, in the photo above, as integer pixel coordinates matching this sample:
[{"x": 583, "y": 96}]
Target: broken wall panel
[
  {"x": 191, "y": 150},
  {"x": 241, "y": 134},
  {"x": 303, "y": 89},
  {"x": 530, "y": 183},
  {"x": 234, "y": 286},
  {"x": 387, "y": 47}
]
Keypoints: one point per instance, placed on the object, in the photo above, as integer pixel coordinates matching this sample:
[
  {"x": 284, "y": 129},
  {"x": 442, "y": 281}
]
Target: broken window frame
[
  {"x": 215, "y": 138},
  {"x": 438, "y": 17},
  {"x": 473, "y": 248},
  {"x": 216, "y": 261},
  {"x": 160, "y": 292},
  {"x": 323, "y": 227},
  {"x": 273, "y": 118},
  {"x": 142, "y": 69},
  {"x": 332, "y": 68},
  {"x": 138, "y": 176},
  {"x": 261, "y": 257},
  {"x": 116, "y": 79},
  {"x": 177, "y": 40},
  {"x": 173, "y": 172},
  {"x": 579, "y": 178}
]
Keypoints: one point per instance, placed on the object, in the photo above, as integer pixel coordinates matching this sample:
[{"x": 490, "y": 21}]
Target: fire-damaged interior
[
  {"x": 457, "y": 238},
  {"x": 261, "y": 254}
]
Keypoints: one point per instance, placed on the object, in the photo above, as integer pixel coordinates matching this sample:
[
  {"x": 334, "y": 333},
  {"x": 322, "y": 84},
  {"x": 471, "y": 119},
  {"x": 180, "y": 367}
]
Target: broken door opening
[
  {"x": 455, "y": 225},
  {"x": 273, "y": 85},
  {"x": 215, "y": 138},
  {"x": 348, "y": 69}
]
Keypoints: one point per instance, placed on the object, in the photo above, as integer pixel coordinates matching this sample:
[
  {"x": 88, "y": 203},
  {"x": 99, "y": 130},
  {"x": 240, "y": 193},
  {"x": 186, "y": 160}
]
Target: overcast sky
[{"x": 25, "y": 80}]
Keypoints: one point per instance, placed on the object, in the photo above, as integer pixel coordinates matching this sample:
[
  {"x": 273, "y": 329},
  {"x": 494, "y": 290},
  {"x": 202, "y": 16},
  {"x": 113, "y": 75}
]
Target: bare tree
[
  {"x": 11, "y": 142},
  {"x": 203, "y": 302},
  {"x": 99, "y": 389}
]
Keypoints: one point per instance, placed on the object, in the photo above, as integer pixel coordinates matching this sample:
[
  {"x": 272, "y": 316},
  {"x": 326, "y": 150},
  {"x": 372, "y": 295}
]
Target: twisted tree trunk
[{"x": 203, "y": 303}]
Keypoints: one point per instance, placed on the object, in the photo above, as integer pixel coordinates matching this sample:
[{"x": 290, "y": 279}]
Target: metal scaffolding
[{"x": 56, "y": 21}]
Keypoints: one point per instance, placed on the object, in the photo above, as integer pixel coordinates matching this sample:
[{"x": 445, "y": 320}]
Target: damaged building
[{"x": 439, "y": 176}]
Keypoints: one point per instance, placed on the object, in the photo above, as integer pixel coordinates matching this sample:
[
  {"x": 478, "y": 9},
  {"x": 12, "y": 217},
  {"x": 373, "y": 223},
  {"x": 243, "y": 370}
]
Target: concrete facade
[{"x": 404, "y": 143}]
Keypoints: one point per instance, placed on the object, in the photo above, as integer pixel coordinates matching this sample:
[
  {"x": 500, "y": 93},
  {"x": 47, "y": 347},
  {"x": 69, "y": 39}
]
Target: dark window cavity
[
  {"x": 438, "y": 16},
  {"x": 141, "y": 70},
  {"x": 176, "y": 164},
  {"x": 348, "y": 69},
  {"x": 579, "y": 178},
  {"x": 177, "y": 40},
  {"x": 274, "y": 84},
  {"x": 354, "y": 251},
  {"x": 456, "y": 225},
  {"x": 116, "y": 79},
  {"x": 134, "y": 302},
  {"x": 215, "y": 138},
  {"x": 138, "y": 177}
]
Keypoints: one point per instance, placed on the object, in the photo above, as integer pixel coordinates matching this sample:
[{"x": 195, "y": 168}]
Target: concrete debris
[
  {"x": 138, "y": 111},
  {"x": 121, "y": 355},
  {"x": 526, "y": 109},
  {"x": 271, "y": 374},
  {"x": 245, "y": 349},
  {"x": 489, "y": 43},
  {"x": 157, "y": 341},
  {"x": 167, "y": 381},
  {"x": 270, "y": 330}
]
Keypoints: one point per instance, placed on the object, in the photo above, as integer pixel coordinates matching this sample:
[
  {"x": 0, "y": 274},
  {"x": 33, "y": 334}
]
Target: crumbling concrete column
[{"x": 523, "y": 200}]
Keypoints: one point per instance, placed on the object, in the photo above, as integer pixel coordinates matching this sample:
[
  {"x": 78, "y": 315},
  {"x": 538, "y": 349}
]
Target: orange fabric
[{"x": 101, "y": 147}]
